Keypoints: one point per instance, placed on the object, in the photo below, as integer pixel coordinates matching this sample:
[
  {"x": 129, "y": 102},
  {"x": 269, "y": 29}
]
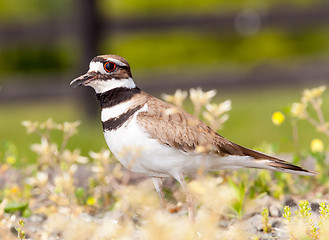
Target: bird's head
[{"x": 106, "y": 72}]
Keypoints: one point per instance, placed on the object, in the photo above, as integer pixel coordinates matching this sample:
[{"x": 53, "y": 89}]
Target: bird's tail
[{"x": 263, "y": 161}]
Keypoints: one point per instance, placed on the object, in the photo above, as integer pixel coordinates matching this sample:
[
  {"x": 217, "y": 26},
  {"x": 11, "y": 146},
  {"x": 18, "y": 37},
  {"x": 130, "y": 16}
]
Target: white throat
[{"x": 102, "y": 86}]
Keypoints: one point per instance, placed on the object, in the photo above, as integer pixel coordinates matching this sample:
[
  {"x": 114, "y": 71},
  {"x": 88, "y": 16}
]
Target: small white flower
[
  {"x": 45, "y": 148},
  {"x": 30, "y": 126},
  {"x": 49, "y": 124},
  {"x": 69, "y": 128},
  {"x": 223, "y": 119},
  {"x": 41, "y": 179},
  {"x": 73, "y": 169},
  {"x": 317, "y": 92},
  {"x": 64, "y": 183},
  {"x": 313, "y": 93},
  {"x": 298, "y": 110},
  {"x": 214, "y": 114},
  {"x": 307, "y": 95},
  {"x": 208, "y": 117},
  {"x": 100, "y": 156},
  {"x": 97, "y": 169},
  {"x": 177, "y": 99},
  {"x": 219, "y": 109},
  {"x": 73, "y": 157},
  {"x": 199, "y": 97}
]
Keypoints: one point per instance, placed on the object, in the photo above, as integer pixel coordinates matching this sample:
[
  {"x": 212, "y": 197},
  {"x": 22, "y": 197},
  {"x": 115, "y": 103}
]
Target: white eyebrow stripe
[
  {"x": 96, "y": 67},
  {"x": 116, "y": 61}
]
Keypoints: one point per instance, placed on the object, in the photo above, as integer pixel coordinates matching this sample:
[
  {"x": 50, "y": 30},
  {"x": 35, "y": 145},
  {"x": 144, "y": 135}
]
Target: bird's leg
[
  {"x": 189, "y": 198},
  {"x": 158, "y": 187}
]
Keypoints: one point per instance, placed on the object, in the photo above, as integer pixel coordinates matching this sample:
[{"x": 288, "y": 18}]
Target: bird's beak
[{"x": 84, "y": 79}]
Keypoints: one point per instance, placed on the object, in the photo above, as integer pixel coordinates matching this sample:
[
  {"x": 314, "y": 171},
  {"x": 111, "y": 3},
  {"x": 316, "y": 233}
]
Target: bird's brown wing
[
  {"x": 176, "y": 128},
  {"x": 173, "y": 126}
]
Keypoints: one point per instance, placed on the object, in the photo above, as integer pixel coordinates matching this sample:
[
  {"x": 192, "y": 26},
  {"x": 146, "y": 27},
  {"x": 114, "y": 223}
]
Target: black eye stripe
[{"x": 123, "y": 67}]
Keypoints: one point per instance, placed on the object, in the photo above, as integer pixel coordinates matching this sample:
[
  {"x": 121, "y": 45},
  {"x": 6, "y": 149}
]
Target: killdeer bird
[{"x": 150, "y": 136}]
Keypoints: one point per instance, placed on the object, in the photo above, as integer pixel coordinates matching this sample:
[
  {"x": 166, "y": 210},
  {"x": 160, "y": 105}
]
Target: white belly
[
  {"x": 136, "y": 150},
  {"x": 139, "y": 153}
]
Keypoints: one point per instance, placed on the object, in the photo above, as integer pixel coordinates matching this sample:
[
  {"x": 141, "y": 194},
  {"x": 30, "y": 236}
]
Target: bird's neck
[
  {"x": 105, "y": 85},
  {"x": 116, "y": 96},
  {"x": 119, "y": 105}
]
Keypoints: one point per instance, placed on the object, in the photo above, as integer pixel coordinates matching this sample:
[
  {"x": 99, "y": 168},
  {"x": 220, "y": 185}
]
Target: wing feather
[{"x": 175, "y": 127}]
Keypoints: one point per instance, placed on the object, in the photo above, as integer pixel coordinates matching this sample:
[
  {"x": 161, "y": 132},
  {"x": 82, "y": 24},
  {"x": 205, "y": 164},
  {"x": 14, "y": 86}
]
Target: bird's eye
[{"x": 109, "y": 66}]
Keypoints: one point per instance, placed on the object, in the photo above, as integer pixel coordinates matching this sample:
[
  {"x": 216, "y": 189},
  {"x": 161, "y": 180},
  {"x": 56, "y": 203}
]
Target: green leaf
[
  {"x": 27, "y": 213},
  {"x": 80, "y": 192},
  {"x": 16, "y": 206}
]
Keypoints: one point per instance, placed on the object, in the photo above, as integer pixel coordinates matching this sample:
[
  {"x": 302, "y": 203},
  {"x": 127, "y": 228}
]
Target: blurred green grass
[
  {"x": 90, "y": 132},
  {"x": 189, "y": 7},
  {"x": 182, "y": 50},
  {"x": 177, "y": 49},
  {"x": 33, "y": 10},
  {"x": 250, "y": 121},
  {"x": 39, "y": 10},
  {"x": 34, "y": 58},
  {"x": 249, "y": 124}
]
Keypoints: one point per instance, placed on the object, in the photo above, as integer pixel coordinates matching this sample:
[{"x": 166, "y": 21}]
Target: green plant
[
  {"x": 57, "y": 167},
  {"x": 305, "y": 213},
  {"x": 310, "y": 105},
  {"x": 20, "y": 231},
  {"x": 10, "y": 155},
  {"x": 323, "y": 222},
  {"x": 267, "y": 228},
  {"x": 324, "y": 211},
  {"x": 308, "y": 109},
  {"x": 240, "y": 192},
  {"x": 56, "y": 164},
  {"x": 302, "y": 226},
  {"x": 287, "y": 213},
  {"x": 225, "y": 196}
]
